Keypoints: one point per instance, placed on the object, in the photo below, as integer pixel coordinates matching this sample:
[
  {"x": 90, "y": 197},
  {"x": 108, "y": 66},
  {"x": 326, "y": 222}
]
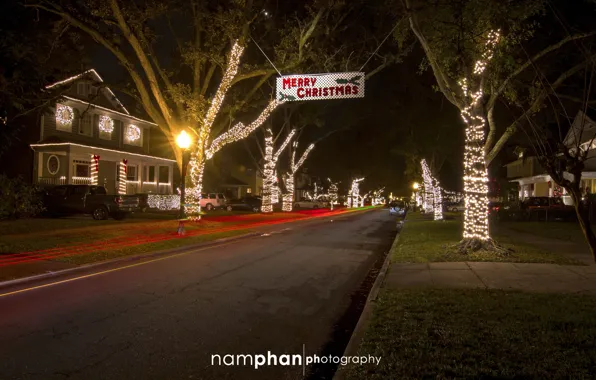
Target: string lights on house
[
  {"x": 94, "y": 169},
  {"x": 122, "y": 177},
  {"x": 475, "y": 173},
  {"x": 106, "y": 124},
  {"x": 64, "y": 115},
  {"x": 163, "y": 202}
]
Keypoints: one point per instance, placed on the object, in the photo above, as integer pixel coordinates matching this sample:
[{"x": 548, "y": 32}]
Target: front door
[{"x": 107, "y": 176}]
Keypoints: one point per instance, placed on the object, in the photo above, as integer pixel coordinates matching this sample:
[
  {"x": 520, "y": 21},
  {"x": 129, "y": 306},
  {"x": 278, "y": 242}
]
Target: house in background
[
  {"x": 535, "y": 182},
  {"x": 89, "y": 137}
]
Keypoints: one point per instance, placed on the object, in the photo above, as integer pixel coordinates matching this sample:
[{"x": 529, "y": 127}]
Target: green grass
[
  {"x": 567, "y": 231},
  {"x": 474, "y": 334},
  {"x": 423, "y": 240}
]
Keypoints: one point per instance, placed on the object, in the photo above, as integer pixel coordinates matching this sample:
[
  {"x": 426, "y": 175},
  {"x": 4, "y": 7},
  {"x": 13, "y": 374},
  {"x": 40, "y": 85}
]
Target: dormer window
[{"x": 520, "y": 155}]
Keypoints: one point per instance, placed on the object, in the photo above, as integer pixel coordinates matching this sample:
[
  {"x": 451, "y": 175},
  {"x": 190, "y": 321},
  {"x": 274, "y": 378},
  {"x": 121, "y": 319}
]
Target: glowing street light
[
  {"x": 184, "y": 141},
  {"x": 416, "y": 185}
]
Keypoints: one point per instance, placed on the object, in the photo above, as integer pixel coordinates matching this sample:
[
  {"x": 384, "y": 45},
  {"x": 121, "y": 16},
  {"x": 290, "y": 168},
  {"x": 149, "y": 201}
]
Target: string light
[
  {"x": 475, "y": 173},
  {"x": 94, "y": 169},
  {"x": 122, "y": 177},
  {"x": 106, "y": 124},
  {"x": 288, "y": 198},
  {"x": 268, "y": 171},
  {"x": 332, "y": 193},
  {"x": 428, "y": 193},
  {"x": 354, "y": 192},
  {"x": 64, "y": 115},
  {"x": 133, "y": 133},
  {"x": 163, "y": 202}
]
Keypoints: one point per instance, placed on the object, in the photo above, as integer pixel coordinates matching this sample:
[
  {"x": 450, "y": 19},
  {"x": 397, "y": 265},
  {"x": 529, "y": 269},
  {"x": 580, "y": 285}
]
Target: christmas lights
[
  {"x": 163, "y": 202},
  {"x": 106, "y": 124},
  {"x": 133, "y": 133},
  {"x": 332, "y": 193},
  {"x": 122, "y": 177},
  {"x": 354, "y": 192},
  {"x": 94, "y": 169},
  {"x": 288, "y": 198},
  {"x": 475, "y": 173},
  {"x": 438, "y": 201},
  {"x": 64, "y": 115},
  {"x": 428, "y": 193},
  {"x": 268, "y": 171}
]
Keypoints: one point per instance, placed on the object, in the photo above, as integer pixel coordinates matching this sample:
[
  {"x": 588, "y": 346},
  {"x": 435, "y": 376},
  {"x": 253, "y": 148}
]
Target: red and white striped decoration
[{"x": 94, "y": 169}]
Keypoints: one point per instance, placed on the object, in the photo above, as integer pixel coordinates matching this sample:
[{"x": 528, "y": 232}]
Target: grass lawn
[
  {"x": 474, "y": 334},
  {"x": 568, "y": 231},
  {"x": 424, "y": 240}
]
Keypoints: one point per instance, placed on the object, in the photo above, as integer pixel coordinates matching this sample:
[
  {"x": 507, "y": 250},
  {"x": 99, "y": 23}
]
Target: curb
[
  {"x": 358, "y": 333},
  {"x": 147, "y": 255}
]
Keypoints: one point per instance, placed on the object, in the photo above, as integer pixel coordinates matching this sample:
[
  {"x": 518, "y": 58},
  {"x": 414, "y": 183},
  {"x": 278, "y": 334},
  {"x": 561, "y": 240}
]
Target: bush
[{"x": 18, "y": 199}]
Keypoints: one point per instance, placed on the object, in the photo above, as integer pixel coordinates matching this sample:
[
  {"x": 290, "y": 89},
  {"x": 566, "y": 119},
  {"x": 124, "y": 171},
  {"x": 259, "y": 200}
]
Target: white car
[
  {"x": 210, "y": 201},
  {"x": 308, "y": 203}
]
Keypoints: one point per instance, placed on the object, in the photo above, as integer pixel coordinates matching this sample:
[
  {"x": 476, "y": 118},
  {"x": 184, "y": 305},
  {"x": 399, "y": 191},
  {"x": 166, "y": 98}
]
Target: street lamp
[
  {"x": 416, "y": 185},
  {"x": 183, "y": 140}
]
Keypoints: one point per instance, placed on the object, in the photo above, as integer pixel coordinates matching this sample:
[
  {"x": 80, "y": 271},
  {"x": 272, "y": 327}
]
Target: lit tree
[
  {"x": 332, "y": 193},
  {"x": 187, "y": 90},
  {"x": 459, "y": 52},
  {"x": 288, "y": 196},
  {"x": 270, "y": 172},
  {"x": 354, "y": 194}
]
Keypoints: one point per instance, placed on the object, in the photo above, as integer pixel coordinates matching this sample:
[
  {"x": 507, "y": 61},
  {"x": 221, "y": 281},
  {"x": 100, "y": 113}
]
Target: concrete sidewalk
[{"x": 490, "y": 275}]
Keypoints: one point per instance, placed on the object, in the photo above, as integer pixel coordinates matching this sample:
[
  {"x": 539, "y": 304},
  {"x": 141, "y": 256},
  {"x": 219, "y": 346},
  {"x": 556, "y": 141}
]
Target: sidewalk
[{"x": 483, "y": 275}]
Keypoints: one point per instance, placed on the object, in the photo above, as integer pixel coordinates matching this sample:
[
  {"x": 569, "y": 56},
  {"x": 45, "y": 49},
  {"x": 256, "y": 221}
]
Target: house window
[
  {"x": 106, "y": 127},
  {"x": 131, "y": 173},
  {"x": 150, "y": 174},
  {"x": 164, "y": 174},
  {"x": 86, "y": 124},
  {"x": 81, "y": 170},
  {"x": 248, "y": 190},
  {"x": 64, "y": 117},
  {"x": 53, "y": 165},
  {"x": 133, "y": 135}
]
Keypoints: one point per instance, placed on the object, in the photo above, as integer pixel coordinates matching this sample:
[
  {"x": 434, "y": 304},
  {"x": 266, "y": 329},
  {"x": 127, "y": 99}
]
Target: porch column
[
  {"x": 171, "y": 179},
  {"x": 141, "y": 173},
  {"x": 122, "y": 177},
  {"x": 94, "y": 169}
]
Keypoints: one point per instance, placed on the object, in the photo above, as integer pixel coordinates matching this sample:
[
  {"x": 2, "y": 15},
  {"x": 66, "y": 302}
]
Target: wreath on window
[
  {"x": 133, "y": 133},
  {"x": 106, "y": 124},
  {"x": 64, "y": 114}
]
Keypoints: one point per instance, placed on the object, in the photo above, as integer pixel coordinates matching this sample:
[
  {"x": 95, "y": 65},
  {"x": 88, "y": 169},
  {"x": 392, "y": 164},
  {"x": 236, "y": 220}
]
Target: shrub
[{"x": 18, "y": 199}]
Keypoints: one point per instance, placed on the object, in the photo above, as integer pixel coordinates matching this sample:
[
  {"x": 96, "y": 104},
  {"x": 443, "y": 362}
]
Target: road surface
[{"x": 282, "y": 292}]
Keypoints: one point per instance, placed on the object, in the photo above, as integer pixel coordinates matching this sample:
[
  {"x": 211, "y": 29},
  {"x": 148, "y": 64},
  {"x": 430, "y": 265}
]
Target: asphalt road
[{"x": 164, "y": 319}]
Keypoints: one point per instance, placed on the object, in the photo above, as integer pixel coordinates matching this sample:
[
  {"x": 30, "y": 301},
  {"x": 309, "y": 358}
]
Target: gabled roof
[
  {"x": 94, "y": 74},
  {"x": 583, "y": 130}
]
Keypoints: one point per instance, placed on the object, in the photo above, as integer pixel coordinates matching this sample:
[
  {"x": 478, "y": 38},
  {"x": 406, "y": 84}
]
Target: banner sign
[{"x": 320, "y": 86}]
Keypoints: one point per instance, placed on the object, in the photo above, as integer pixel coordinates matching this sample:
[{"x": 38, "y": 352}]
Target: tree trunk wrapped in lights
[
  {"x": 355, "y": 193},
  {"x": 438, "y": 200},
  {"x": 270, "y": 188},
  {"x": 332, "y": 193},
  {"x": 288, "y": 197},
  {"x": 429, "y": 191}
]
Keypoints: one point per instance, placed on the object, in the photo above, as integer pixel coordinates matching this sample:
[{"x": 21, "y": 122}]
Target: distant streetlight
[
  {"x": 416, "y": 185},
  {"x": 184, "y": 141}
]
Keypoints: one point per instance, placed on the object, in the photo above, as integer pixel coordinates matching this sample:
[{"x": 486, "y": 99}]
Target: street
[{"x": 163, "y": 319}]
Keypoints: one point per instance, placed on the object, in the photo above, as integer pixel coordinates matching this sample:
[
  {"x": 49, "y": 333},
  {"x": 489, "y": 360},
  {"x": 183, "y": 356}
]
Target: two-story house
[
  {"x": 89, "y": 137},
  {"x": 535, "y": 182}
]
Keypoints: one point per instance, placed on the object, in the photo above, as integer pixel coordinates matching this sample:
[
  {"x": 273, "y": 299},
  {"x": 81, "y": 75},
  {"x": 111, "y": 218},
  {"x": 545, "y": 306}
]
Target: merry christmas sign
[{"x": 320, "y": 86}]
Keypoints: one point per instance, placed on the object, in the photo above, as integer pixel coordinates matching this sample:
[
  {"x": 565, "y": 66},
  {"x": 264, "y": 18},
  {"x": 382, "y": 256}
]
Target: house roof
[
  {"x": 582, "y": 130},
  {"x": 55, "y": 142},
  {"x": 92, "y": 73}
]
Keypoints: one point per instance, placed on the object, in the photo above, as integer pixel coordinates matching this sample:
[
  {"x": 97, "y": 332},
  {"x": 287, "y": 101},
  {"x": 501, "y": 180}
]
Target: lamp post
[
  {"x": 183, "y": 140},
  {"x": 415, "y": 186}
]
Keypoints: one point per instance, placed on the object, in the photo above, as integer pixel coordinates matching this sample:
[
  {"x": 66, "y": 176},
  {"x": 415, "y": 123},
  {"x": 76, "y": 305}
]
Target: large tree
[{"x": 477, "y": 49}]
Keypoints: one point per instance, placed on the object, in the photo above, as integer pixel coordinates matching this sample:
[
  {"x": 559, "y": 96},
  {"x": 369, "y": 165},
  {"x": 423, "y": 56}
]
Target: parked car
[
  {"x": 455, "y": 207},
  {"x": 88, "y": 199},
  {"x": 397, "y": 208},
  {"x": 247, "y": 203},
  {"x": 210, "y": 201},
  {"x": 310, "y": 203},
  {"x": 544, "y": 208}
]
